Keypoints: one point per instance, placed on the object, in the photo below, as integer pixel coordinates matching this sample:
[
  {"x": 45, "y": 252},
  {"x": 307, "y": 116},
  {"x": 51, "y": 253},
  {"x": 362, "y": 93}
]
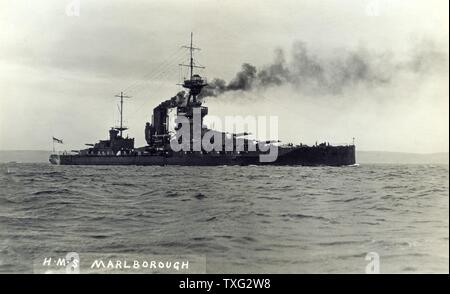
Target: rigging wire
[
  {"x": 153, "y": 70},
  {"x": 160, "y": 76},
  {"x": 157, "y": 70},
  {"x": 155, "y": 75},
  {"x": 162, "y": 71},
  {"x": 143, "y": 82}
]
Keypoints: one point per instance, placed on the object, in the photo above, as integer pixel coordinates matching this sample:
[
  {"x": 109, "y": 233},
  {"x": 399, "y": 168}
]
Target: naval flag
[{"x": 57, "y": 140}]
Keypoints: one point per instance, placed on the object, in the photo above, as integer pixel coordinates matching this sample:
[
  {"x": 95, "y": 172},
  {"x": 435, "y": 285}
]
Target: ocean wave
[
  {"x": 292, "y": 219},
  {"x": 52, "y": 192},
  {"x": 305, "y": 216}
]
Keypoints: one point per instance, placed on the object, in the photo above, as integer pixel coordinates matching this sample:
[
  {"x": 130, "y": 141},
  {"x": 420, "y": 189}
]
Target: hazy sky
[{"x": 59, "y": 73}]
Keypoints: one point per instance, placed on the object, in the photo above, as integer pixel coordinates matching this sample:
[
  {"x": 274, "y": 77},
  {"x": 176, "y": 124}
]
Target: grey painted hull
[{"x": 308, "y": 156}]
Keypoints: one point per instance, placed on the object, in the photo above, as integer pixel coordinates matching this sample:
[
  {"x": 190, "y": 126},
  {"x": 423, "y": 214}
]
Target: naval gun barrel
[{"x": 241, "y": 134}]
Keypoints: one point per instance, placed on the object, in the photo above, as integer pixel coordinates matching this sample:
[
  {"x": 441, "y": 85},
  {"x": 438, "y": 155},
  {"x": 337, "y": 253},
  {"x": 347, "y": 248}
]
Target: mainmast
[{"x": 121, "y": 127}]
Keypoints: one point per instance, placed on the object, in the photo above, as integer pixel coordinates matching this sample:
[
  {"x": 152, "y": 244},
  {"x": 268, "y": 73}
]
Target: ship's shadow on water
[{"x": 242, "y": 219}]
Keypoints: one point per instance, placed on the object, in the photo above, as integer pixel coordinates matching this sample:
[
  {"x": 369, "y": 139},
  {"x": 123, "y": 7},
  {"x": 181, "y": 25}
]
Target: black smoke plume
[
  {"x": 244, "y": 80},
  {"x": 175, "y": 101},
  {"x": 309, "y": 73}
]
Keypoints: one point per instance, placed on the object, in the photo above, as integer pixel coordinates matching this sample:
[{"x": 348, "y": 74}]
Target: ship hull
[{"x": 307, "y": 156}]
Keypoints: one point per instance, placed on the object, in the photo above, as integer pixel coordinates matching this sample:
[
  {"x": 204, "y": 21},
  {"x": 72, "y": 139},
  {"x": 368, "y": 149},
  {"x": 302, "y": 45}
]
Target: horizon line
[{"x": 385, "y": 151}]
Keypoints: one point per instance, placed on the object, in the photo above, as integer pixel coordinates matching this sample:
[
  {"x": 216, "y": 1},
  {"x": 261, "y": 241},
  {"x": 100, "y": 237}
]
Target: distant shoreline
[{"x": 362, "y": 157}]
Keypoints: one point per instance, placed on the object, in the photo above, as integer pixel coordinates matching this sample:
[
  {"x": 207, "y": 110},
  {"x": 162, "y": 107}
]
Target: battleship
[{"x": 183, "y": 145}]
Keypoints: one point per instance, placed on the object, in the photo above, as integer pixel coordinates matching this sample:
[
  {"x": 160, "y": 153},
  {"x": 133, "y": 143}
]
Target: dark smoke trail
[
  {"x": 243, "y": 80},
  {"x": 313, "y": 75},
  {"x": 176, "y": 100}
]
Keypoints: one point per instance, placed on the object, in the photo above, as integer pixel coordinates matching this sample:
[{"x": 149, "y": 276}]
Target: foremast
[{"x": 195, "y": 83}]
